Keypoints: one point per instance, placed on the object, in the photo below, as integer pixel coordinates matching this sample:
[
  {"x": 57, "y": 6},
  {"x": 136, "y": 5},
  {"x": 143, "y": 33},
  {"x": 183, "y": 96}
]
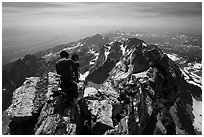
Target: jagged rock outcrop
[
  {"x": 36, "y": 109},
  {"x": 153, "y": 88},
  {"x": 99, "y": 108},
  {"x": 57, "y": 116},
  {"x": 26, "y": 104}
]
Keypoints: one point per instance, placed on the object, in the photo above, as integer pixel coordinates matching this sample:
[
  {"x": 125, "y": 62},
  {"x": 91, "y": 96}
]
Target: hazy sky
[
  {"x": 31, "y": 27},
  {"x": 76, "y": 17}
]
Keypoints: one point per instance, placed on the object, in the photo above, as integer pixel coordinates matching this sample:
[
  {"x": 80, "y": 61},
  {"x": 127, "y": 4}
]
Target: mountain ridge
[{"x": 133, "y": 89}]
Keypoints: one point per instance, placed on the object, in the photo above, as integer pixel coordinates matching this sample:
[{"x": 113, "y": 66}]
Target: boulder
[
  {"x": 23, "y": 103},
  {"x": 100, "y": 107},
  {"x": 26, "y": 105}
]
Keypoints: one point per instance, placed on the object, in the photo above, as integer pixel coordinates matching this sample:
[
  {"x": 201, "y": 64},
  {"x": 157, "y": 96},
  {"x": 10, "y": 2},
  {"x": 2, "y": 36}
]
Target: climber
[
  {"x": 75, "y": 68},
  {"x": 64, "y": 68}
]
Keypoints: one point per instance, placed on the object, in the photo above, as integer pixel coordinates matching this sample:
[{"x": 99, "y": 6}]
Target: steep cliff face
[
  {"x": 133, "y": 89},
  {"x": 13, "y": 78}
]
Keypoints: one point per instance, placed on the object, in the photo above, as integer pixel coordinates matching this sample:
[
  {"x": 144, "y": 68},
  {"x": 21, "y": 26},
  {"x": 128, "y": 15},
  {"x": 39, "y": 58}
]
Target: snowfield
[
  {"x": 191, "y": 77},
  {"x": 189, "y": 70}
]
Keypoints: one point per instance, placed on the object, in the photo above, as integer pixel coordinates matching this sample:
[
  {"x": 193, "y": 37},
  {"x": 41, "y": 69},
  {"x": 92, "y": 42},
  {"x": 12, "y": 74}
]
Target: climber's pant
[{"x": 70, "y": 88}]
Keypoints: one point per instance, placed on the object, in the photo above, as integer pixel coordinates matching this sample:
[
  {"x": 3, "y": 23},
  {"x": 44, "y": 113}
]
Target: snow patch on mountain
[
  {"x": 194, "y": 83},
  {"x": 82, "y": 77},
  {"x": 123, "y": 48},
  {"x": 121, "y": 75},
  {"x": 94, "y": 60},
  {"x": 51, "y": 55},
  {"x": 91, "y": 51},
  {"x": 48, "y": 56},
  {"x": 119, "y": 71},
  {"x": 144, "y": 44},
  {"x": 107, "y": 52},
  {"x": 197, "y": 112},
  {"x": 191, "y": 71},
  {"x": 173, "y": 57},
  {"x": 74, "y": 47},
  {"x": 89, "y": 91},
  {"x": 191, "y": 77},
  {"x": 195, "y": 65},
  {"x": 183, "y": 62}
]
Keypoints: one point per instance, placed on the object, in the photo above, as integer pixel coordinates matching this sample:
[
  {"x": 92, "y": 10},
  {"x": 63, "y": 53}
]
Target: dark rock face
[
  {"x": 133, "y": 90},
  {"x": 134, "y": 42},
  {"x": 95, "y": 43},
  {"x": 100, "y": 74},
  {"x": 115, "y": 51},
  {"x": 140, "y": 62},
  {"x": 29, "y": 66}
]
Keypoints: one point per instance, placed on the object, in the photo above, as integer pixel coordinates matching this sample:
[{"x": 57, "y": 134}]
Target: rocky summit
[{"x": 127, "y": 88}]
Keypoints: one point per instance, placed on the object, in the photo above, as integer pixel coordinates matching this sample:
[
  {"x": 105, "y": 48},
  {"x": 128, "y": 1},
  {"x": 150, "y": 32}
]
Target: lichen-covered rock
[
  {"x": 23, "y": 99},
  {"x": 26, "y": 104}
]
